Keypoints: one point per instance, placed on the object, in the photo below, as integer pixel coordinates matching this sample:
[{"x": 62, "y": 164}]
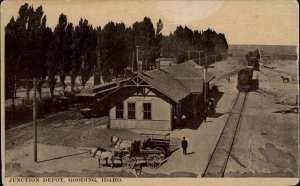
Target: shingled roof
[
  {"x": 178, "y": 81},
  {"x": 102, "y": 89}
]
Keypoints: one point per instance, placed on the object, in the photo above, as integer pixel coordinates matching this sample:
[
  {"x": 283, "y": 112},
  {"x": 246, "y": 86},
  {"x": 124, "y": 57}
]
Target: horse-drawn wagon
[
  {"x": 153, "y": 158},
  {"x": 151, "y": 150},
  {"x": 157, "y": 142}
]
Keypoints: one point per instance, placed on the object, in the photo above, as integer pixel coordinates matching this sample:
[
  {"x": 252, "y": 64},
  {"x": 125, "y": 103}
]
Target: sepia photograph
[{"x": 175, "y": 92}]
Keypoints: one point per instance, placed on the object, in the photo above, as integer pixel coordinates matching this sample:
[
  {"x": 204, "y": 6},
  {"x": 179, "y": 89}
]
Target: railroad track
[{"x": 218, "y": 160}]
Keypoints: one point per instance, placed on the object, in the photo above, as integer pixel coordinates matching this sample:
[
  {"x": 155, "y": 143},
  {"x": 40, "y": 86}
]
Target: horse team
[{"x": 111, "y": 155}]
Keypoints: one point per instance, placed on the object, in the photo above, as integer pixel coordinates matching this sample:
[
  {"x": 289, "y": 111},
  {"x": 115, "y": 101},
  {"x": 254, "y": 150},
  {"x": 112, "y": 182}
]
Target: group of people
[
  {"x": 210, "y": 108},
  {"x": 211, "y": 105},
  {"x": 181, "y": 121}
]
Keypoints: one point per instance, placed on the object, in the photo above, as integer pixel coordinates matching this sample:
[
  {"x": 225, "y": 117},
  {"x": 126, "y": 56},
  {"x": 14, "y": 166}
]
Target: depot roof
[{"x": 177, "y": 81}]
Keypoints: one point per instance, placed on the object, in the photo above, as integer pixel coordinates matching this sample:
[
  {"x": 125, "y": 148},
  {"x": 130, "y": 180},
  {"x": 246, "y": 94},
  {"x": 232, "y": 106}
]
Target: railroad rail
[{"x": 218, "y": 160}]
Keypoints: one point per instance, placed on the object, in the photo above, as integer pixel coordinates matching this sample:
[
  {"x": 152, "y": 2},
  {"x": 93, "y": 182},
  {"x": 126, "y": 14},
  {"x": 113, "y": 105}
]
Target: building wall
[{"x": 160, "y": 114}]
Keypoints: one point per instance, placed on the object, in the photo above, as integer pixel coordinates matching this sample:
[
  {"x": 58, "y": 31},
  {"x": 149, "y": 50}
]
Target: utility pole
[
  {"x": 132, "y": 61},
  {"x": 205, "y": 67},
  {"x": 146, "y": 64},
  {"x": 204, "y": 77},
  {"x": 34, "y": 117},
  {"x": 34, "y": 120},
  {"x": 195, "y": 51},
  {"x": 137, "y": 55},
  {"x": 223, "y": 55}
]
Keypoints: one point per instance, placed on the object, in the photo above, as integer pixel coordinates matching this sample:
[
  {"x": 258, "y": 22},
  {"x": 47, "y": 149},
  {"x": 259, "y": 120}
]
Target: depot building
[{"x": 151, "y": 99}]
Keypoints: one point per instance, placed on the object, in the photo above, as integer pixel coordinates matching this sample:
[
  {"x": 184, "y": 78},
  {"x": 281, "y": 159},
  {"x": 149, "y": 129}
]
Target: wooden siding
[
  {"x": 160, "y": 114},
  {"x": 140, "y": 124}
]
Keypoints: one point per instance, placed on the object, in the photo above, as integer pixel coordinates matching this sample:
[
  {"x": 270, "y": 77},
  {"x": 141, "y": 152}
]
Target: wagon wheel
[
  {"x": 154, "y": 161},
  {"x": 161, "y": 151},
  {"x": 169, "y": 149},
  {"x": 132, "y": 163},
  {"x": 129, "y": 162},
  {"x": 125, "y": 161}
]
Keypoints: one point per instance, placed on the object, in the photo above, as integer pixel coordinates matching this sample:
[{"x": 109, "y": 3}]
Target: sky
[{"x": 268, "y": 22}]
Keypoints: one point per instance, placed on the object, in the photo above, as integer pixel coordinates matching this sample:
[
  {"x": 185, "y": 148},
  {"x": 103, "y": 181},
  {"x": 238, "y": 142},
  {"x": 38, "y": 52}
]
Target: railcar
[
  {"x": 253, "y": 59},
  {"x": 244, "y": 81}
]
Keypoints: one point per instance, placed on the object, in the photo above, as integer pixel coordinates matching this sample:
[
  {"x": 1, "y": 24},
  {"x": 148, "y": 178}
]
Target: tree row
[{"x": 33, "y": 50}]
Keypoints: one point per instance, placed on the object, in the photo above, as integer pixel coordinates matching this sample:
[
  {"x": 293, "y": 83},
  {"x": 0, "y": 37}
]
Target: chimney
[
  {"x": 140, "y": 67},
  {"x": 157, "y": 63},
  {"x": 96, "y": 78}
]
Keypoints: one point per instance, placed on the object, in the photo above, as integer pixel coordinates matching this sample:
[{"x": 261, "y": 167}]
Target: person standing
[
  {"x": 205, "y": 115},
  {"x": 212, "y": 108},
  {"x": 184, "y": 145}
]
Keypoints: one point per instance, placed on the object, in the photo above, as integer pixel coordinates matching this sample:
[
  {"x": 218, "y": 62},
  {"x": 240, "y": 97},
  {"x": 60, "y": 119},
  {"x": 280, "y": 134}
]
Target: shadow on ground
[
  {"x": 279, "y": 158},
  {"x": 215, "y": 115},
  {"x": 193, "y": 123},
  {"x": 217, "y": 97},
  {"x": 62, "y": 157}
]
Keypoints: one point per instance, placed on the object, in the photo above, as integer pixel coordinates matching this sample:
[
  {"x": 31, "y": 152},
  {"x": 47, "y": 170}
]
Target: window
[
  {"x": 119, "y": 111},
  {"x": 131, "y": 110},
  {"x": 147, "y": 110}
]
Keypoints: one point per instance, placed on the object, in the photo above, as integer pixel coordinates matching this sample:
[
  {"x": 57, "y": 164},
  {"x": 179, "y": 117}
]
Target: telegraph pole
[
  {"x": 215, "y": 58},
  {"x": 223, "y": 55},
  {"x": 146, "y": 65},
  {"x": 137, "y": 55},
  {"x": 204, "y": 77},
  {"x": 205, "y": 67},
  {"x": 132, "y": 61},
  {"x": 34, "y": 120},
  {"x": 195, "y": 51},
  {"x": 34, "y": 117}
]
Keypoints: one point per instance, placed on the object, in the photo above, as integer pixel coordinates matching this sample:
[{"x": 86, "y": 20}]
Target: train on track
[
  {"x": 253, "y": 59},
  {"x": 245, "y": 81}
]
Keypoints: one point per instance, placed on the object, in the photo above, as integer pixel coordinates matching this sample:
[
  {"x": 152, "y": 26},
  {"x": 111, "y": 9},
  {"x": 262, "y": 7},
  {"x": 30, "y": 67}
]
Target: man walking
[{"x": 184, "y": 145}]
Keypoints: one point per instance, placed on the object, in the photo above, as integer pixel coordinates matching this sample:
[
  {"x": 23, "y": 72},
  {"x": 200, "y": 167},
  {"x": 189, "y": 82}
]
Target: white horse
[
  {"x": 121, "y": 144},
  {"x": 103, "y": 154}
]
